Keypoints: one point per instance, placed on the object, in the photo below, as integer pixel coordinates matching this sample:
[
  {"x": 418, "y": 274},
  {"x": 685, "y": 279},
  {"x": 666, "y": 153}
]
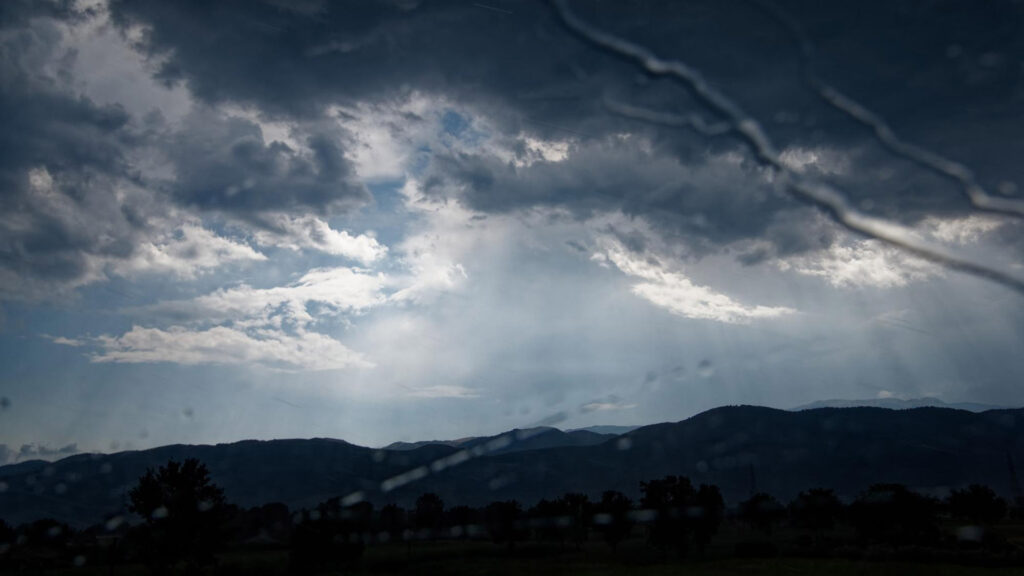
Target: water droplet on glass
[
  {"x": 79, "y": 561},
  {"x": 991, "y": 60},
  {"x": 1007, "y": 188},
  {"x": 159, "y": 513},
  {"x": 624, "y": 443},
  {"x": 705, "y": 369}
]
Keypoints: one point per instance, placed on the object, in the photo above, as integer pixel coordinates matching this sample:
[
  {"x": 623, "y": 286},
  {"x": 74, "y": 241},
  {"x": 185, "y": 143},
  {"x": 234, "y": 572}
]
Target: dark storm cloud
[
  {"x": 224, "y": 164},
  {"x": 716, "y": 200},
  {"x": 60, "y": 156},
  {"x": 78, "y": 194},
  {"x": 947, "y": 76}
]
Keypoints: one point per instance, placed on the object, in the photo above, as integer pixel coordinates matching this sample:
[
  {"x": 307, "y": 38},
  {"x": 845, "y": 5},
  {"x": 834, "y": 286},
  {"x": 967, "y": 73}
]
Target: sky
[{"x": 403, "y": 220}]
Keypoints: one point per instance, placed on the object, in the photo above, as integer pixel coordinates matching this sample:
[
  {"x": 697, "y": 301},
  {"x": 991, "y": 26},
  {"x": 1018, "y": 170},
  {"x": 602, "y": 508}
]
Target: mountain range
[{"x": 740, "y": 448}]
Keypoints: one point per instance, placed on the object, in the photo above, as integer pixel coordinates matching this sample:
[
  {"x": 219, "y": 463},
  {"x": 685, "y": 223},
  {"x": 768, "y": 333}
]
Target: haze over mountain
[
  {"x": 901, "y": 404},
  {"x": 739, "y": 448}
]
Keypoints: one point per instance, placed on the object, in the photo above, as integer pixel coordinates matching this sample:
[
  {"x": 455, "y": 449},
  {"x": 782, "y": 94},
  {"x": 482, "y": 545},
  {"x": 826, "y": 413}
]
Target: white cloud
[
  {"x": 862, "y": 263},
  {"x": 184, "y": 253},
  {"x": 308, "y": 351},
  {"x": 537, "y": 150},
  {"x": 309, "y": 232},
  {"x": 679, "y": 295},
  {"x": 255, "y": 326},
  {"x": 387, "y": 136},
  {"x": 447, "y": 233},
  {"x": 962, "y": 231},
  {"x": 823, "y": 160},
  {"x": 73, "y": 342},
  {"x": 337, "y": 290}
]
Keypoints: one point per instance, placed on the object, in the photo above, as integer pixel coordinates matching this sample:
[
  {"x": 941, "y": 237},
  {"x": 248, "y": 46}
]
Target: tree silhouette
[
  {"x": 503, "y": 522},
  {"x": 612, "y": 517},
  {"x": 550, "y": 520},
  {"x": 464, "y": 521},
  {"x": 392, "y": 521},
  {"x": 705, "y": 515},
  {"x": 977, "y": 504},
  {"x": 331, "y": 537},
  {"x": 892, "y": 513},
  {"x": 761, "y": 511},
  {"x": 816, "y": 510},
  {"x": 578, "y": 509},
  {"x": 6, "y": 535},
  {"x": 7, "y": 540},
  {"x": 182, "y": 511},
  {"x": 669, "y": 498},
  {"x": 428, "y": 514}
]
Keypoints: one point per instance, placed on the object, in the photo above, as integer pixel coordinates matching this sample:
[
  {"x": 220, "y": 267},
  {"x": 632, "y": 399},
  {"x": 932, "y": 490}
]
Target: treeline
[{"x": 179, "y": 518}]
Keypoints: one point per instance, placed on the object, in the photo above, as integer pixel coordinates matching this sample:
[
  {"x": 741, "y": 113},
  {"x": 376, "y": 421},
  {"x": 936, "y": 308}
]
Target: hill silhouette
[{"x": 742, "y": 449}]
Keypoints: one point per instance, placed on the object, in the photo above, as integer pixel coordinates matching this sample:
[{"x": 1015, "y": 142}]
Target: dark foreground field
[{"x": 464, "y": 558}]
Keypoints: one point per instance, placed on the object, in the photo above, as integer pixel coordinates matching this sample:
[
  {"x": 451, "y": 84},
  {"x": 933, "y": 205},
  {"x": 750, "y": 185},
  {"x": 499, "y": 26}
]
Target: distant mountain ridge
[
  {"x": 900, "y": 404},
  {"x": 613, "y": 430},
  {"x": 526, "y": 439},
  {"x": 739, "y": 448}
]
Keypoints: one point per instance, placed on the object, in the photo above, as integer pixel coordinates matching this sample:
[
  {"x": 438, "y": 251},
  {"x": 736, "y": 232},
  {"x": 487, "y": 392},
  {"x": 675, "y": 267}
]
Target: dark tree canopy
[
  {"x": 504, "y": 522},
  {"x": 976, "y": 503},
  {"x": 817, "y": 509},
  {"x": 668, "y": 499},
  {"x": 183, "y": 513},
  {"x": 612, "y": 518},
  {"x": 893, "y": 513},
  {"x": 761, "y": 511},
  {"x": 428, "y": 514}
]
